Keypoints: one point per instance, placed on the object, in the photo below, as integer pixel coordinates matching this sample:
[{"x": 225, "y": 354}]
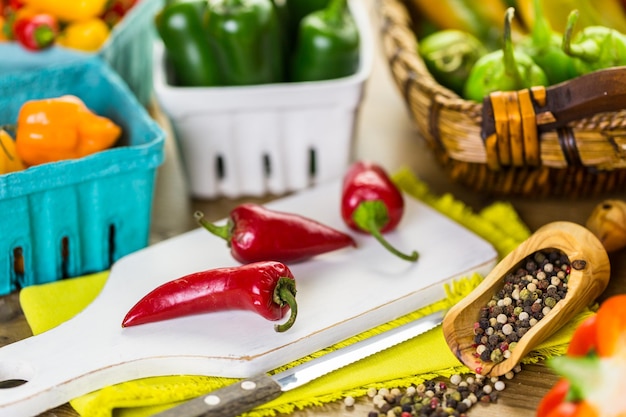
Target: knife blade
[{"x": 248, "y": 393}]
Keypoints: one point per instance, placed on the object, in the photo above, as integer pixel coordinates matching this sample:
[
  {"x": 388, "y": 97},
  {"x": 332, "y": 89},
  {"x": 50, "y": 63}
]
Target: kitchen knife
[{"x": 246, "y": 394}]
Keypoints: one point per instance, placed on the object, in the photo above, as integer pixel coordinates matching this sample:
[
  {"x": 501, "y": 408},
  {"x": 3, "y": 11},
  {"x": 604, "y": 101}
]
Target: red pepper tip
[{"x": 130, "y": 319}]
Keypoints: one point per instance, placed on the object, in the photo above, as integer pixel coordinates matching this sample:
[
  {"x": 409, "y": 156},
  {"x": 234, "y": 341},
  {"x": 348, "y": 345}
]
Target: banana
[
  {"x": 450, "y": 14},
  {"x": 608, "y": 13},
  {"x": 492, "y": 12}
]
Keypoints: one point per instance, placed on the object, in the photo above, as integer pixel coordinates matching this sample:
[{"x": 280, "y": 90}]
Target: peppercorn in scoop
[{"x": 527, "y": 296}]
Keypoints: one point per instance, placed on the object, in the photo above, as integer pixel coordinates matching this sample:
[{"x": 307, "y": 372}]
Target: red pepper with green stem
[
  {"x": 371, "y": 203},
  {"x": 36, "y": 32},
  {"x": 266, "y": 288},
  {"x": 593, "y": 369},
  {"x": 256, "y": 233}
]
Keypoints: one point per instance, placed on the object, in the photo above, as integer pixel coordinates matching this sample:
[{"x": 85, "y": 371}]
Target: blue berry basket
[
  {"x": 128, "y": 50},
  {"x": 73, "y": 217}
]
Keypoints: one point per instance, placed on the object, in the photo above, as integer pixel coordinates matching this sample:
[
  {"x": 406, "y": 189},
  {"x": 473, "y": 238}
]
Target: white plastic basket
[{"x": 266, "y": 139}]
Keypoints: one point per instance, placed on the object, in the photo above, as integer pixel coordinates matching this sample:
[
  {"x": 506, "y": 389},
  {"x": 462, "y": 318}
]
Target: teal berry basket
[
  {"x": 128, "y": 50},
  {"x": 73, "y": 217}
]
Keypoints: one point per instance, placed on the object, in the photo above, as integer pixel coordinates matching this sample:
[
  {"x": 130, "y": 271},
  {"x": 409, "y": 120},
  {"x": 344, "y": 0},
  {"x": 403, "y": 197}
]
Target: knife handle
[
  {"x": 229, "y": 401},
  {"x": 584, "y": 96}
]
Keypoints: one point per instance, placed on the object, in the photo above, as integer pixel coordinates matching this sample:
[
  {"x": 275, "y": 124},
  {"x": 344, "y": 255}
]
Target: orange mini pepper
[
  {"x": 9, "y": 161},
  {"x": 55, "y": 129}
]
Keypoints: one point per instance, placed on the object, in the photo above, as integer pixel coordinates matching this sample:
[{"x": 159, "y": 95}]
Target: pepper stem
[
  {"x": 335, "y": 10},
  {"x": 588, "y": 50},
  {"x": 508, "y": 49},
  {"x": 221, "y": 231},
  {"x": 542, "y": 31},
  {"x": 285, "y": 293},
  {"x": 44, "y": 36},
  {"x": 584, "y": 374},
  {"x": 371, "y": 216}
]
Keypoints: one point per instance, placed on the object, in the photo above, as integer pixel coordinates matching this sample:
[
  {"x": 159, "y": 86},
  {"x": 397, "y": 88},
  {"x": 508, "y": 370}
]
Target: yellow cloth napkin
[{"x": 424, "y": 357}]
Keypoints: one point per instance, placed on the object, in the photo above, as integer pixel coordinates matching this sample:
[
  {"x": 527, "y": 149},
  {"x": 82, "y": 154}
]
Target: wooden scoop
[{"x": 589, "y": 276}]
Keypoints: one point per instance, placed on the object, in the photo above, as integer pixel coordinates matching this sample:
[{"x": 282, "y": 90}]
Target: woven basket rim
[{"x": 453, "y": 126}]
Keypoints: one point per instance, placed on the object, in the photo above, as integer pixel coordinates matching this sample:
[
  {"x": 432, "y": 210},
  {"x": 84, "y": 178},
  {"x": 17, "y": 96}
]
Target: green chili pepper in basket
[
  {"x": 327, "y": 45},
  {"x": 503, "y": 70},
  {"x": 245, "y": 36},
  {"x": 449, "y": 55},
  {"x": 594, "y": 47},
  {"x": 179, "y": 24},
  {"x": 544, "y": 47}
]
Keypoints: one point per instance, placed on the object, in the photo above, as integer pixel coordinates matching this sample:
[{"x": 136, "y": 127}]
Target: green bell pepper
[
  {"x": 291, "y": 13},
  {"x": 179, "y": 24},
  {"x": 296, "y": 10},
  {"x": 503, "y": 70},
  {"x": 327, "y": 46},
  {"x": 245, "y": 36},
  {"x": 449, "y": 55},
  {"x": 594, "y": 47}
]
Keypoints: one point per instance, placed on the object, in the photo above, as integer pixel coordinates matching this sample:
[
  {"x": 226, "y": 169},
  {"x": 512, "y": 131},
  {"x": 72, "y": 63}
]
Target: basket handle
[{"x": 520, "y": 116}]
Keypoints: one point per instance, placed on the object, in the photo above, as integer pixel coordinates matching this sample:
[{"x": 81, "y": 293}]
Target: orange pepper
[
  {"x": 61, "y": 128},
  {"x": 3, "y": 35},
  {"x": 9, "y": 161},
  {"x": 86, "y": 35}
]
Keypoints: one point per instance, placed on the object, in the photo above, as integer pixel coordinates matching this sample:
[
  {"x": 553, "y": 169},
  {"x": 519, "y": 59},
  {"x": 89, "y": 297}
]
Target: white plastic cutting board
[{"x": 340, "y": 294}]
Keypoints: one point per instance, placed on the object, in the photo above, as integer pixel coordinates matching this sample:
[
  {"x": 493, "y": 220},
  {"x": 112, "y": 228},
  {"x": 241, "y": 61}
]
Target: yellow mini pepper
[
  {"x": 60, "y": 128},
  {"x": 69, "y": 10},
  {"x": 86, "y": 35},
  {"x": 9, "y": 161}
]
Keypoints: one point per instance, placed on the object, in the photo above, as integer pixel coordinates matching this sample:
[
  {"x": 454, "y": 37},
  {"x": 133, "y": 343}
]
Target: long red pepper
[
  {"x": 256, "y": 233},
  {"x": 592, "y": 383},
  {"x": 371, "y": 203},
  {"x": 267, "y": 288}
]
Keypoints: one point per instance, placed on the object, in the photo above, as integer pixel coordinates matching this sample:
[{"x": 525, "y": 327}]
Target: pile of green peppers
[
  {"x": 249, "y": 42},
  {"x": 467, "y": 66}
]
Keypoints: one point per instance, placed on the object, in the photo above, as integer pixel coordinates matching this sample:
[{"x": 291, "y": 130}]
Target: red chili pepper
[
  {"x": 256, "y": 233},
  {"x": 267, "y": 288},
  {"x": 36, "y": 32},
  {"x": 593, "y": 369},
  {"x": 371, "y": 203}
]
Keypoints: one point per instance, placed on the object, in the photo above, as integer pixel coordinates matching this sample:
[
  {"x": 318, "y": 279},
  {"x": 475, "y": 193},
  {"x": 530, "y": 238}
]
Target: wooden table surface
[{"x": 385, "y": 134}]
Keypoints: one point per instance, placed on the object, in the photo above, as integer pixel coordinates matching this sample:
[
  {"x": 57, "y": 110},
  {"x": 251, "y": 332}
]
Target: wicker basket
[{"x": 564, "y": 140}]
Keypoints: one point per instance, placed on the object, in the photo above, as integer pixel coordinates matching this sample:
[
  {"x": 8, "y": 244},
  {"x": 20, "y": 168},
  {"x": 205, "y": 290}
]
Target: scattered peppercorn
[
  {"x": 527, "y": 295},
  {"x": 437, "y": 398}
]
